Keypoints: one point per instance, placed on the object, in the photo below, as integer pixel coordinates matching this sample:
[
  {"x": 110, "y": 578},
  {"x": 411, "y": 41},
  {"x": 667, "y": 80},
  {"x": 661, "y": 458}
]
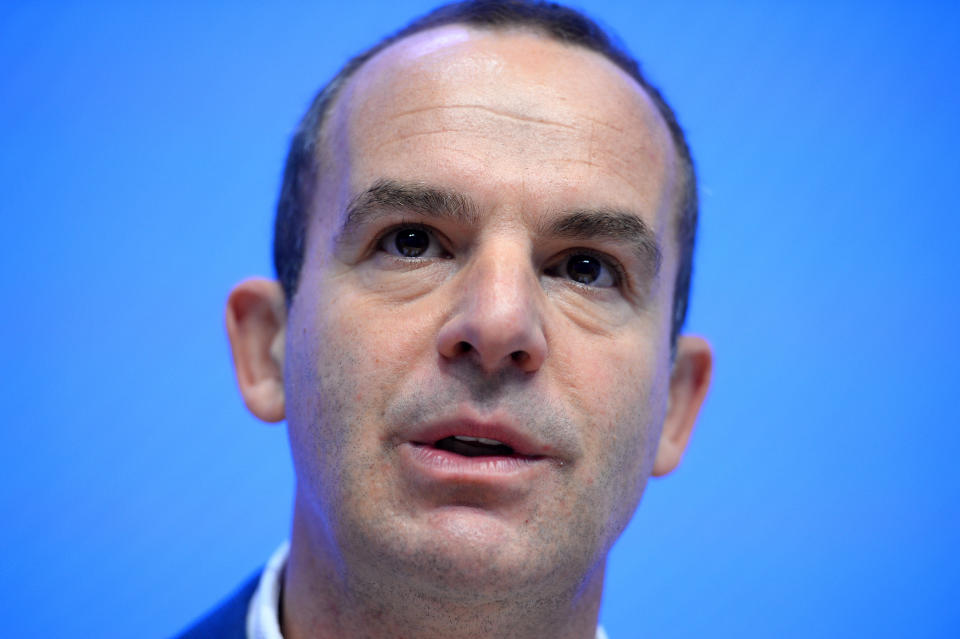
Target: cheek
[
  {"x": 639, "y": 373},
  {"x": 622, "y": 397},
  {"x": 330, "y": 400},
  {"x": 346, "y": 357},
  {"x": 610, "y": 378}
]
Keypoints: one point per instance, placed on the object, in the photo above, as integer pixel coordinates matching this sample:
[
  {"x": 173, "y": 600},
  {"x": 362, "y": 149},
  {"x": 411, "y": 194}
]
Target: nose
[{"x": 497, "y": 319}]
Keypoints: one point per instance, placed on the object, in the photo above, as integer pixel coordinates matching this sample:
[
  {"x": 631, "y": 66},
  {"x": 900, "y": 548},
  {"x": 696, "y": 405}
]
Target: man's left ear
[
  {"x": 256, "y": 325},
  {"x": 689, "y": 381}
]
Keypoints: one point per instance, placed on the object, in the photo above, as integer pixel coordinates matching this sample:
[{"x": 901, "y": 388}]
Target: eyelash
[
  {"x": 619, "y": 273},
  {"x": 433, "y": 233}
]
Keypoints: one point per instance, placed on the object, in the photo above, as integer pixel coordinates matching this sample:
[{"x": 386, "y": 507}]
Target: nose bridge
[
  {"x": 501, "y": 285},
  {"x": 497, "y": 319}
]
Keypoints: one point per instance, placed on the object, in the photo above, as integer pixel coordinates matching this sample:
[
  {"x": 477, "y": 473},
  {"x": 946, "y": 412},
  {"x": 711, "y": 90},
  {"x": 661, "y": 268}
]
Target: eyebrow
[
  {"x": 386, "y": 196},
  {"x": 611, "y": 224}
]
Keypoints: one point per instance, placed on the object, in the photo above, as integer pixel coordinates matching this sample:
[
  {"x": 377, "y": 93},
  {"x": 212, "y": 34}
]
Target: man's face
[{"x": 477, "y": 357}]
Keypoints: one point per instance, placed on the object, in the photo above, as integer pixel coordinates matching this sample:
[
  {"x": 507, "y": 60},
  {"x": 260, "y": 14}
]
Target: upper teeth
[{"x": 482, "y": 440}]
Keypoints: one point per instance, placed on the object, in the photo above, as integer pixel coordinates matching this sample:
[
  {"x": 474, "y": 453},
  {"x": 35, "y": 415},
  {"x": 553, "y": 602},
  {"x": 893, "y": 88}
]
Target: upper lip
[{"x": 469, "y": 426}]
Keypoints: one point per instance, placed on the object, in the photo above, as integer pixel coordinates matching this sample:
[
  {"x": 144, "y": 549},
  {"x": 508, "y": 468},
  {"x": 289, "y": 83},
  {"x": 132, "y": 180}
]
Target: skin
[{"x": 486, "y": 323}]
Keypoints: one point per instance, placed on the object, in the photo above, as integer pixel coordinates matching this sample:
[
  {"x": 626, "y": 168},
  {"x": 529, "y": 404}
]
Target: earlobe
[
  {"x": 689, "y": 382},
  {"x": 256, "y": 325}
]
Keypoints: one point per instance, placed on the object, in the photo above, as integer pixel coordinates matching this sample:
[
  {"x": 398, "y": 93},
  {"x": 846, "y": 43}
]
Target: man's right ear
[{"x": 256, "y": 326}]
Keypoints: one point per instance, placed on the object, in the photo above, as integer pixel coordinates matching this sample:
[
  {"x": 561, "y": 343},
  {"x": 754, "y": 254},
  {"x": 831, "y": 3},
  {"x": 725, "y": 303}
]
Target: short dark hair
[{"x": 553, "y": 20}]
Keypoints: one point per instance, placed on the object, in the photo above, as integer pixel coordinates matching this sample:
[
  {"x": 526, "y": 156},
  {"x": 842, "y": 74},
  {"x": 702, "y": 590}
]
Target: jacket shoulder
[{"x": 229, "y": 619}]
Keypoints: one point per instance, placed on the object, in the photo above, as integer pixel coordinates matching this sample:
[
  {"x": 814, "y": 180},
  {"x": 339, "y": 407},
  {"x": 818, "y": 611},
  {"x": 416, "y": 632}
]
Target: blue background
[{"x": 140, "y": 155}]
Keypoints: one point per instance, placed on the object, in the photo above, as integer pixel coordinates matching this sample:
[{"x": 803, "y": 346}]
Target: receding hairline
[{"x": 345, "y": 86}]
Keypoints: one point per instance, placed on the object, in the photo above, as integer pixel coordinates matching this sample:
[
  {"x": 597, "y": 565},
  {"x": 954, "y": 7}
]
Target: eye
[
  {"x": 412, "y": 241},
  {"x": 586, "y": 269}
]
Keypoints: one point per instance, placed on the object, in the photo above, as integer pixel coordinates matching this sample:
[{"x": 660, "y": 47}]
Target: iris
[
  {"x": 412, "y": 242},
  {"x": 584, "y": 269}
]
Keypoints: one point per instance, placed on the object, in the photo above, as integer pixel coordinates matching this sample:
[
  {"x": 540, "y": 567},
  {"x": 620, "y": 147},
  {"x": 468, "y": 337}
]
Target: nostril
[
  {"x": 519, "y": 356},
  {"x": 464, "y": 347}
]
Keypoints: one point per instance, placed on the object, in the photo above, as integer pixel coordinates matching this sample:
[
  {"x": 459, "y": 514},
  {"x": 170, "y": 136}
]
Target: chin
[{"x": 469, "y": 555}]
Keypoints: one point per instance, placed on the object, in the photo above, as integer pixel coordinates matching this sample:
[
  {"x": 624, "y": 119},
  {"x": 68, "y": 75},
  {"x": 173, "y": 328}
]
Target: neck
[{"x": 324, "y": 599}]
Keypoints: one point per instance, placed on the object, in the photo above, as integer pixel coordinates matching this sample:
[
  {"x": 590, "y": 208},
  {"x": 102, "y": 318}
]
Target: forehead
[{"x": 505, "y": 114}]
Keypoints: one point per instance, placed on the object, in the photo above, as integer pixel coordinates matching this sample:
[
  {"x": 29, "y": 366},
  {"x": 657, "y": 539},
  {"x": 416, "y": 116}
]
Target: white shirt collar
[{"x": 263, "y": 615}]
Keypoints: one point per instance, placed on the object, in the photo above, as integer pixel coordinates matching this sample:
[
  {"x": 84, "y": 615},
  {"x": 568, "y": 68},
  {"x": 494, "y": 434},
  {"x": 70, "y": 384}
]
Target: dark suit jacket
[{"x": 229, "y": 619}]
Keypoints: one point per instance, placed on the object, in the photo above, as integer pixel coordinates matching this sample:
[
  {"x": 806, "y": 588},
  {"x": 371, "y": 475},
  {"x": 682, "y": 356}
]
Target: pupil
[
  {"x": 412, "y": 242},
  {"x": 583, "y": 269}
]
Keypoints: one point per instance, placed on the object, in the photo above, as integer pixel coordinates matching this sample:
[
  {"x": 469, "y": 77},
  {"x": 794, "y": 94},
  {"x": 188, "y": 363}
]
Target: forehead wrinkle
[
  {"x": 594, "y": 136},
  {"x": 593, "y": 144},
  {"x": 488, "y": 109},
  {"x": 597, "y": 121},
  {"x": 632, "y": 183},
  {"x": 403, "y": 137}
]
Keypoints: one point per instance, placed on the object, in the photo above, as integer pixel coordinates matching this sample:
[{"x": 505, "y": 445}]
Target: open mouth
[
  {"x": 446, "y": 455},
  {"x": 467, "y": 446},
  {"x": 474, "y": 446}
]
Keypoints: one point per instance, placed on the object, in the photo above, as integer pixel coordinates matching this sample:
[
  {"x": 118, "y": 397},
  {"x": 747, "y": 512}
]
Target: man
[{"x": 483, "y": 244}]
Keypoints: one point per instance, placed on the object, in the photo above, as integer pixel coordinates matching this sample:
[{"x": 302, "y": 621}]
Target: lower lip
[{"x": 443, "y": 465}]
